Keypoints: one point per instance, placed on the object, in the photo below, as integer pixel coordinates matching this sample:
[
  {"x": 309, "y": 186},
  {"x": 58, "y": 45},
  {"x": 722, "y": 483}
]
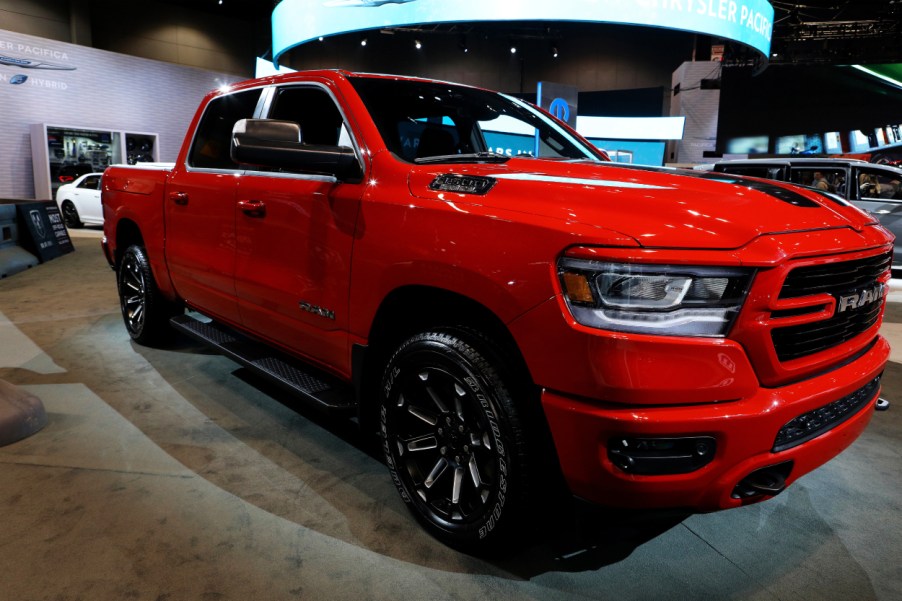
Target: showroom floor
[{"x": 170, "y": 474}]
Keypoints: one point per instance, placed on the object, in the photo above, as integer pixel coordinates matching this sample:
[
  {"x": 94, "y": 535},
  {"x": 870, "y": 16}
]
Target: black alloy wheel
[
  {"x": 70, "y": 215},
  {"x": 453, "y": 441},
  {"x": 145, "y": 311}
]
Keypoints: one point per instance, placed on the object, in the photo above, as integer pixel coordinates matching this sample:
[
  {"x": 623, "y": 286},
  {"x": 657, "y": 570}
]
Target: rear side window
[
  {"x": 91, "y": 182},
  {"x": 822, "y": 178},
  {"x": 210, "y": 149}
]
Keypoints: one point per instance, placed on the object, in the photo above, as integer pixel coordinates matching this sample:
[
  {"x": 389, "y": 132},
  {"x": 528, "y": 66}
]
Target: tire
[
  {"x": 145, "y": 311},
  {"x": 70, "y": 215},
  {"x": 453, "y": 441}
]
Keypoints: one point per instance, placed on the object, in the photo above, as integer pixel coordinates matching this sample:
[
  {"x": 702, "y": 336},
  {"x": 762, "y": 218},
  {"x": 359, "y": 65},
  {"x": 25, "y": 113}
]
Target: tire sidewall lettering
[{"x": 480, "y": 389}]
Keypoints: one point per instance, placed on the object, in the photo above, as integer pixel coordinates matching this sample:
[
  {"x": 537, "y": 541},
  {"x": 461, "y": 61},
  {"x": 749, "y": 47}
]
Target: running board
[{"x": 274, "y": 366}]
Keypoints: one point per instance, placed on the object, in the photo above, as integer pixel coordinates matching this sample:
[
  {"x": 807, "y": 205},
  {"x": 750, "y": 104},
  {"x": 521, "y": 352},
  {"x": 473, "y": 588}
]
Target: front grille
[
  {"x": 836, "y": 279},
  {"x": 814, "y": 423},
  {"x": 793, "y": 342}
]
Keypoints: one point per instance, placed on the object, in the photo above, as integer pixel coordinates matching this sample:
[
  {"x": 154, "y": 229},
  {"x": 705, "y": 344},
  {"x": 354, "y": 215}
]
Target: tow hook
[{"x": 882, "y": 404}]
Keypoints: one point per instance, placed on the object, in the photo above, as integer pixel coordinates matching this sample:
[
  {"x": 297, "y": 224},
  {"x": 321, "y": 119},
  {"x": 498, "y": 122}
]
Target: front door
[{"x": 294, "y": 235}]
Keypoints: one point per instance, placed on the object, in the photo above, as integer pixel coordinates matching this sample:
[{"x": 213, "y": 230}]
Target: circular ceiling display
[{"x": 295, "y": 22}]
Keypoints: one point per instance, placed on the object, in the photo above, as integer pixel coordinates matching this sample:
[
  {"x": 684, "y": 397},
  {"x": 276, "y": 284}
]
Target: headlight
[{"x": 653, "y": 299}]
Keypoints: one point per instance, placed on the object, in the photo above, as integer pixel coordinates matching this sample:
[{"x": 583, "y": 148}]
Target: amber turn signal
[{"x": 577, "y": 288}]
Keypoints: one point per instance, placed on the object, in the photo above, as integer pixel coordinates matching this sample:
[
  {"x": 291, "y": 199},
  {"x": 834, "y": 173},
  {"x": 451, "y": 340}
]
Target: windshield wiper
[{"x": 473, "y": 157}]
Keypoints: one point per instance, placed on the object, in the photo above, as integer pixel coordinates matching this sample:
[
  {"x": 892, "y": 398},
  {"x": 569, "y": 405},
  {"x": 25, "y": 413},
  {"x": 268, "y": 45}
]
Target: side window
[
  {"x": 91, "y": 183},
  {"x": 750, "y": 171},
  {"x": 822, "y": 178},
  {"x": 875, "y": 184},
  {"x": 210, "y": 149},
  {"x": 314, "y": 110}
]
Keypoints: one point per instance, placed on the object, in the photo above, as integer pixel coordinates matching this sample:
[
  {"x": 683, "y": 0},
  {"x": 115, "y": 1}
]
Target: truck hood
[{"x": 658, "y": 207}]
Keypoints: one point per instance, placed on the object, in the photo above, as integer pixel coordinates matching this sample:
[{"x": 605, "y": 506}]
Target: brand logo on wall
[
  {"x": 560, "y": 100},
  {"x": 27, "y": 63},
  {"x": 37, "y": 58},
  {"x": 560, "y": 109}
]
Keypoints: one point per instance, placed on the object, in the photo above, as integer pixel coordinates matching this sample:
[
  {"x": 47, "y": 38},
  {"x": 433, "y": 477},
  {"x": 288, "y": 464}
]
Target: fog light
[{"x": 658, "y": 456}]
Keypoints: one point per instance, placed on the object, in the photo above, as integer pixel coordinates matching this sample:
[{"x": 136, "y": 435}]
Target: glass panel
[{"x": 822, "y": 178}]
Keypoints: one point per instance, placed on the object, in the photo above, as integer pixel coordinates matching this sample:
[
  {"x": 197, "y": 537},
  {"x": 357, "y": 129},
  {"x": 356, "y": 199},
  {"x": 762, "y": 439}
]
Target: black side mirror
[{"x": 274, "y": 143}]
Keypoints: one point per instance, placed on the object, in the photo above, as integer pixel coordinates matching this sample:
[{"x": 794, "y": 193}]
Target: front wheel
[
  {"x": 145, "y": 311},
  {"x": 453, "y": 440}
]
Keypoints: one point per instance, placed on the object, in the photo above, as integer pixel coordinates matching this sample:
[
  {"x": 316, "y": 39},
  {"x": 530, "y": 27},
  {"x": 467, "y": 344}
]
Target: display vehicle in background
[
  {"x": 890, "y": 154},
  {"x": 507, "y": 324},
  {"x": 79, "y": 201},
  {"x": 875, "y": 188}
]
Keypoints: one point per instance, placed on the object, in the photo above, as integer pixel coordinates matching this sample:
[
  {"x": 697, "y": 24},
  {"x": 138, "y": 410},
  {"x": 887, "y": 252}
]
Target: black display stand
[{"x": 47, "y": 236}]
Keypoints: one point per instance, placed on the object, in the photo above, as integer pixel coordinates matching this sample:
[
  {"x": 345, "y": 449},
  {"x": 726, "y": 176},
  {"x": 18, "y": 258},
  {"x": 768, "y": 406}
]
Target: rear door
[
  {"x": 200, "y": 210},
  {"x": 295, "y": 232}
]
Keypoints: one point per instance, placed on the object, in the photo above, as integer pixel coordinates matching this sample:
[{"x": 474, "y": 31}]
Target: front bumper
[{"x": 745, "y": 432}]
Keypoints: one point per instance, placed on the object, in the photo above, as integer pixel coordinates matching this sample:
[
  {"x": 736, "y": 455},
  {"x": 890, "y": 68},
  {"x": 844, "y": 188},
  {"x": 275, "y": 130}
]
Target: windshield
[{"x": 434, "y": 122}]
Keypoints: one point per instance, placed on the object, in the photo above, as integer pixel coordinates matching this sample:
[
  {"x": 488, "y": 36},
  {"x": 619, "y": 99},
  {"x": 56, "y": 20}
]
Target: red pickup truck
[{"x": 507, "y": 309}]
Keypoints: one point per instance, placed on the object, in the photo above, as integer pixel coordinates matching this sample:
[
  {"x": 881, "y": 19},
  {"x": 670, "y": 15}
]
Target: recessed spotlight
[
  {"x": 417, "y": 44},
  {"x": 363, "y": 42},
  {"x": 513, "y": 50},
  {"x": 554, "y": 51}
]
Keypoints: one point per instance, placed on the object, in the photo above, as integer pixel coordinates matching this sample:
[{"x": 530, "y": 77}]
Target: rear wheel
[
  {"x": 454, "y": 441},
  {"x": 70, "y": 215},
  {"x": 145, "y": 311}
]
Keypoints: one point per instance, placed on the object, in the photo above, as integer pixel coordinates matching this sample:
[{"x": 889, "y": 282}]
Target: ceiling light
[
  {"x": 513, "y": 50},
  {"x": 885, "y": 78},
  {"x": 363, "y": 42},
  {"x": 417, "y": 44},
  {"x": 554, "y": 51}
]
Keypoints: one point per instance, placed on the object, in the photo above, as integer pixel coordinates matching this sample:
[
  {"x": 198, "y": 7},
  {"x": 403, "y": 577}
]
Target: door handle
[
  {"x": 252, "y": 208},
  {"x": 179, "y": 198}
]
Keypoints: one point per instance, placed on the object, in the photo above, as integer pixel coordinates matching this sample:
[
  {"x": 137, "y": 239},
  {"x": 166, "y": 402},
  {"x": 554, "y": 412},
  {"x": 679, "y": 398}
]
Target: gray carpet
[{"x": 172, "y": 474}]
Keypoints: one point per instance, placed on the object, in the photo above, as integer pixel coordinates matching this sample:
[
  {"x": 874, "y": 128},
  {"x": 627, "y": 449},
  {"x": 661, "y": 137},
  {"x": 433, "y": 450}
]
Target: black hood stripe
[{"x": 773, "y": 190}]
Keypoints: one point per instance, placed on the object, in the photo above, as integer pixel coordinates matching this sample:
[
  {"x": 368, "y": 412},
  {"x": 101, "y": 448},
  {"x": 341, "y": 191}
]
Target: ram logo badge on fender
[{"x": 859, "y": 299}]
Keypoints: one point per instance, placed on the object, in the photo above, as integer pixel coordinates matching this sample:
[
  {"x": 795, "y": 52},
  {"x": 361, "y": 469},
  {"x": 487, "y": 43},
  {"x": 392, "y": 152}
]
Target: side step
[{"x": 279, "y": 368}]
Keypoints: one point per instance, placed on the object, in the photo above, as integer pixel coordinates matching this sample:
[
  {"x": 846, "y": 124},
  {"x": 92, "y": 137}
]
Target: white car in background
[{"x": 79, "y": 202}]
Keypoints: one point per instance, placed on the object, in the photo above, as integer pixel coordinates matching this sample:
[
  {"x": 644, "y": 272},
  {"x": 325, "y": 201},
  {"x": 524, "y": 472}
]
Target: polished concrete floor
[{"x": 170, "y": 474}]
